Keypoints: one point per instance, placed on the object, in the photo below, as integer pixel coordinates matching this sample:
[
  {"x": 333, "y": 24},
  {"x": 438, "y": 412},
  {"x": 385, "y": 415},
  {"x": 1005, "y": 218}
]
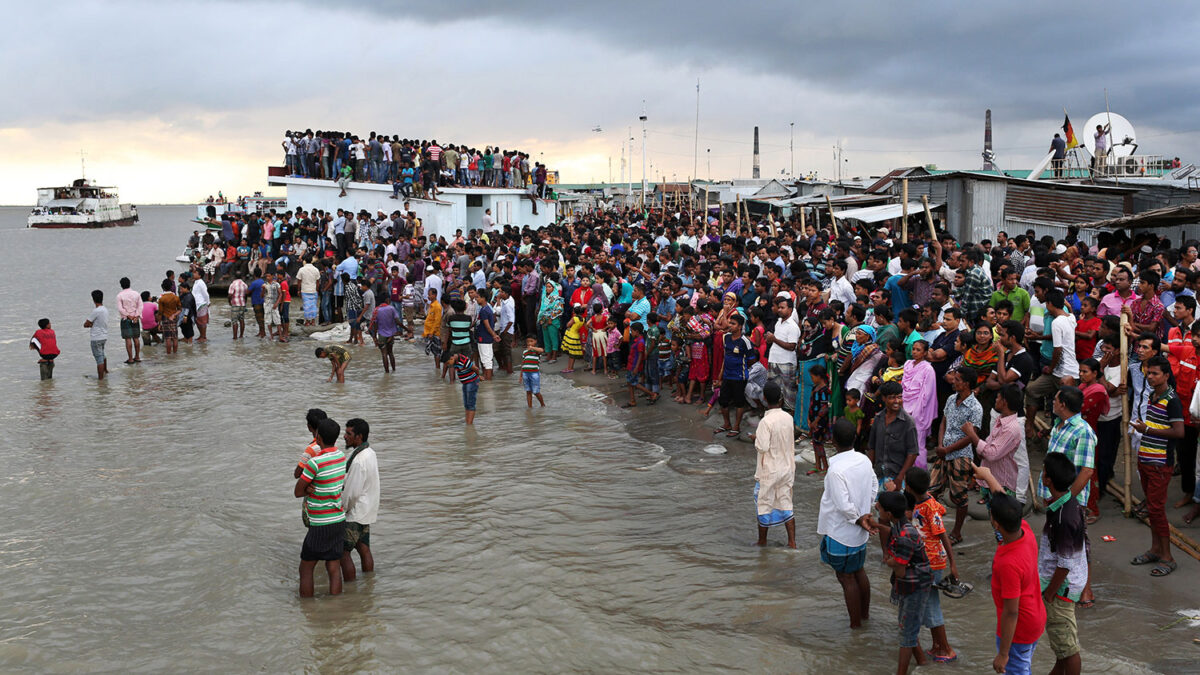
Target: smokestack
[
  {"x": 988, "y": 155},
  {"x": 755, "y": 174}
]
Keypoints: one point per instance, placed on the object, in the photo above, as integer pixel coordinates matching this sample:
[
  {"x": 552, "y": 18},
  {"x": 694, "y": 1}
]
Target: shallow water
[{"x": 151, "y": 525}]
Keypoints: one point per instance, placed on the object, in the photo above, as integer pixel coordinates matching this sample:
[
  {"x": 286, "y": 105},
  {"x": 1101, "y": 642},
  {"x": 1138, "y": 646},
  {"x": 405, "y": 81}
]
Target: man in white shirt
[
  {"x": 360, "y": 497},
  {"x": 506, "y": 314},
  {"x": 487, "y": 222},
  {"x": 200, "y": 293},
  {"x": 845, "y": 522},
  {"x": 308, "y": 276},
  {"x": 781, "y": 359},
  {"x": 840, "y": 288}
]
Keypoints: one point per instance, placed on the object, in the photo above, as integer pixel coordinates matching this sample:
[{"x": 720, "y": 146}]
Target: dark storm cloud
[{"x": 1022, "y": 58}]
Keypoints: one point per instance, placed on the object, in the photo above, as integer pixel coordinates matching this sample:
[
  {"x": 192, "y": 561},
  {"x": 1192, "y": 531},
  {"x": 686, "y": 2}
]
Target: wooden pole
[
  {"x": 832, "y": 218},
  {"x": 904, "y": 211},
  {"x": 928, "y": 217},
  {"x": 771, "y": 222},
  {"x": 802, "y": 225},
  {"x": 1126, "y": 450},
  {"x": 739, "y": 213}
]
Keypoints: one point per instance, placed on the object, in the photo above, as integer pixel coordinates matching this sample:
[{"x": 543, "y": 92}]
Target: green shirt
[
  {"x": 326, "y": 473},
  {"x": 1019, "y": 297}
]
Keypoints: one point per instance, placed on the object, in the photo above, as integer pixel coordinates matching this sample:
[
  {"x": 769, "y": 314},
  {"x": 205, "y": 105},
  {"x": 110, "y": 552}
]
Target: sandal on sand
[
  {"x": 733, "y": 433},
  {"x": 956, "y": 539},
  {"x": 1144, "y": 559},
  {"x": 720, "y": 430},
  {"x": 1163, "y": 568},
  {"x": 1092, "y": 518}
]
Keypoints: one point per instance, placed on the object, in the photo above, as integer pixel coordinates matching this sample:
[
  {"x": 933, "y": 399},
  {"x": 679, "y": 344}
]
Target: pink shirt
[
  {"x": 148, "y": 310},
  {"x": 999, "y": 450},
  {"x": 1111, "y": 304},
  {"x": 129, "y": 304},
  {"x": 237, "y": 293}
]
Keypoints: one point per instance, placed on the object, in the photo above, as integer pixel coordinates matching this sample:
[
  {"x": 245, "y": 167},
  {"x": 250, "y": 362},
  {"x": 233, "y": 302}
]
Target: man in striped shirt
[
  {"x": 320, "y": 485},
  {"x": 1161, "y": 430}
]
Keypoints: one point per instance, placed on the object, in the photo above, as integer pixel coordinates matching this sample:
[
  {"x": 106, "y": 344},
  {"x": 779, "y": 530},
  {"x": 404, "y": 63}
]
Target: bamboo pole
[
  {"x": 904, "y": 211},
  {"x": 771, "y": 222},
  {"x": 928, "y": 217},
  {"x": 1126, "y": 450},
  {"x": 739, "y": 213},
  {"x": 802, "y": 225},
  {"x": 832, "y": 218},
  {"x": 1182, "y": 541},
  {"x": 746, "y": 205}
]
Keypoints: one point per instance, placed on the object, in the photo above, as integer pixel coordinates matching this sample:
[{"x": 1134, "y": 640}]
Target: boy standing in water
[
  {"x": 468, "y": 374},
  {"x": 45, "y": 342},
  {"x": 927, "y": 514},
  {"x": 775, "y": 473},
  {"x": 904, "y": 552},
  {"x": 531, "y": 376},
  {"x": 97, "y": 322},
  {"x": 320, "y": 485}
]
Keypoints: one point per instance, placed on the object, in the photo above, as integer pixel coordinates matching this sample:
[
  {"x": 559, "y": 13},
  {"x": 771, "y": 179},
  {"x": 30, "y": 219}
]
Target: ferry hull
[{"x": 120, "y": 222}]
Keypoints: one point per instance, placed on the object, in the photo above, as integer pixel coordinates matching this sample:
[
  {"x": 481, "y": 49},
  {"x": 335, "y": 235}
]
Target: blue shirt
[
  {"x": 485, "y": 319},
  {"x": 899, "y": 295},
  {"x": 256, "y": 287},
  {"x": 739, "y": 354},
  {"x": 641, "y": 308},
  {"x": 347, "y": 266}
]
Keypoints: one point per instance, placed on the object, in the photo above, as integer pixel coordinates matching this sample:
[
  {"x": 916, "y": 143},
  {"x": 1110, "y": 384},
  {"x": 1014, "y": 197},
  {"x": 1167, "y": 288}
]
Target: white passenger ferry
[{"x": 82, "y": 204}]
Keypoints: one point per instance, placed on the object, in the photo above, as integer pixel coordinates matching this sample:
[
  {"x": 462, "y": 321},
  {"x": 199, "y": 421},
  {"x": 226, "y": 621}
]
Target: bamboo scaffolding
[{"x": 904, "y": 211}]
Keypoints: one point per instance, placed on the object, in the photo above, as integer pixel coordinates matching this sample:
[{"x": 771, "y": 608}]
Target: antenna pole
[
  {"x": 695, "y": 150},
  {"x": 1108, "y": 133},
  {"x": 82, "y": 165}
]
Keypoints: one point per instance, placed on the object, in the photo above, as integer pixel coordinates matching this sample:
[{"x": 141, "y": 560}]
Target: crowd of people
[
  {"x": 412, "y": 166},
  {"x": 930, "y": 366}
]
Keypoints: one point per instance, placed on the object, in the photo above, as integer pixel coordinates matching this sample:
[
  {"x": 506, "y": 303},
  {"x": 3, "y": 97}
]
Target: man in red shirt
[
  {"x": 1184, "y": 361},
  {"x": 1016, "y": 587}
]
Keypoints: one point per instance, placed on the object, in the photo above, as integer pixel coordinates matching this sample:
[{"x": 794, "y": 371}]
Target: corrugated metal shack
[{"x": 979, "y": 205}]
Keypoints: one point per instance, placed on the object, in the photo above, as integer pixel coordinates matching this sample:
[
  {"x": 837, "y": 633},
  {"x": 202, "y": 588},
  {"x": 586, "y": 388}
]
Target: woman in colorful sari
[
  {"x": 981, "y": 358},
  {"x": 548, "y": 315},
  {"x": 837, "y": 335},
  {"x": 920, "y": 395},
  {"x": 864, "y": 356},
  {"x": 729, "y": 307}
]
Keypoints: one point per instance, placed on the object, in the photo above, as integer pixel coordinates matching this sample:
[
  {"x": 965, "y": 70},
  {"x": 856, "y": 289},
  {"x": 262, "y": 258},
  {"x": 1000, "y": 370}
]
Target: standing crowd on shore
[{"x": 925, "y": 366}]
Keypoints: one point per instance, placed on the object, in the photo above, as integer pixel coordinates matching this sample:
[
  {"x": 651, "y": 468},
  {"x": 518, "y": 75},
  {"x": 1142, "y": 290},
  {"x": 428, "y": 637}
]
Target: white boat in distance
[{"x": 81, "y": 204}]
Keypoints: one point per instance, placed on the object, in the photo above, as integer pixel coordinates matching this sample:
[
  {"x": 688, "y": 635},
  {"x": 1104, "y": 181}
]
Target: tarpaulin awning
[
  {"x": 64, "y": 204},
  {"x": 876, "y": 214},
  {"x": 1184, "y": 214}
]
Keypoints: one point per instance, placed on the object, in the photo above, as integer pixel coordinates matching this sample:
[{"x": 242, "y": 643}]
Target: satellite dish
[{"x": 1122, "y": 140}]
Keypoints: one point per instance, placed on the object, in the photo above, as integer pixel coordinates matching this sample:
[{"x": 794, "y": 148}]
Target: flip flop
[
  {"x": 1092, "y": 518},
  {"x": 942, "y": 658},
  {"x": 653, "y": 401},
  {"x": 1163, "y": 568},
  {"x": 1086, "y": 604},
  {"x": 956, "y": 539},
  {"x": 720, "y": 430},
  {"x": 1144, "y": 559},
  {"x": 733, "y": 433}
]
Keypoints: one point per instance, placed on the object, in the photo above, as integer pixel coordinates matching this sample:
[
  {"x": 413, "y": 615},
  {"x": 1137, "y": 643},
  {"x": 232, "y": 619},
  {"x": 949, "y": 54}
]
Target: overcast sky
[{"x": 172, "y": 101}]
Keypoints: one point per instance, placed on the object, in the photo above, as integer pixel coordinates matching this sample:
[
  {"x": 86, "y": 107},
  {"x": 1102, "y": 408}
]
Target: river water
[{"x": 150, "y": 523}]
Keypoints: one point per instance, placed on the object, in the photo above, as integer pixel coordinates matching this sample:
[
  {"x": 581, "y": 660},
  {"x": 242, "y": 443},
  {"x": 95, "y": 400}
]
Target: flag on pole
[{"x": 1069, "y": 132}]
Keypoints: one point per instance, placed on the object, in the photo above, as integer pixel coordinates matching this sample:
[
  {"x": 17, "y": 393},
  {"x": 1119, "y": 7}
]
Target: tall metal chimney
[
  {"x": 988, "y": 155},
  {"x": 755, "y": 174}
]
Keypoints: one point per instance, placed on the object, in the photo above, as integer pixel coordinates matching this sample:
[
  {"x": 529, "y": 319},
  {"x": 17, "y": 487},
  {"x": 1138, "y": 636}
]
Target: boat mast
[{"x": 82, "y": 165}]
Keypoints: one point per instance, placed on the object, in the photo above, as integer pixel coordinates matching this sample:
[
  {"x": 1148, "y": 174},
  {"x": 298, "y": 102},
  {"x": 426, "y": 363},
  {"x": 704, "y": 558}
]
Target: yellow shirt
[{"x": 433, "y": 320}]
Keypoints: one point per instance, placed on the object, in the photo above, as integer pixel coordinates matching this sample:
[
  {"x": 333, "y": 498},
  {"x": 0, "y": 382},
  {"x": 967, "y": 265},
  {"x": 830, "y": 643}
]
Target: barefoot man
[
  {"x": 775, "y": 441},
  {"x": 845, "y": 520}
]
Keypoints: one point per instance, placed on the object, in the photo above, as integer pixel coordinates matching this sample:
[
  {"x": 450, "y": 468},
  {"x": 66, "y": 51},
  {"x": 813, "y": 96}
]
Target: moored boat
[{"x": 82, "y": 204}]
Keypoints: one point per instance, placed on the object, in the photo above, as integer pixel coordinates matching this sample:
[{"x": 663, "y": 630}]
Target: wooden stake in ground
[
  {"x": 928, "y": 217},
  {"x": 739, "y": 213},
  {"x": 832, "y": 218},
  {"x": 1126, "y": 449},
  {"x": 1182, "y": 541},
  {"x": 904, "y": 211}
]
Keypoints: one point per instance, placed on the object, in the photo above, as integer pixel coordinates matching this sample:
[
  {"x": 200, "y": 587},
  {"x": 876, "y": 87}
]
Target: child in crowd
[
  {"x": 871, "y": 407},
  {"x": 1087, "y": 328},
  {"x": 1003, "y": 312},
  {"x": 927, "y": 514},
  {"x": 636, "y": 363},
  {"x": 598, "y": 330},
  {"x": 339, "y": 358},
  {"x": 45, "y": 343},
  {"x": 467, "y": 372},
  {"x": 904, "y": 552},
  {"x": 531, "y": 375},
  {"x": 818, "y": 417},
  {"x": 683, "y": 364},
  {"x": 666, "y": 365},
  {"x": 613, "y": 347},
  {"x": 572, "y": 342},
  {"x": 1062, "y": 561},
  {"x": 853, "y": 413}
]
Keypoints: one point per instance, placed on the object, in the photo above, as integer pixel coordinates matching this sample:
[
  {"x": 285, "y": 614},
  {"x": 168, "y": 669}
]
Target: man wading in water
[{"x": 320, "y": 485}]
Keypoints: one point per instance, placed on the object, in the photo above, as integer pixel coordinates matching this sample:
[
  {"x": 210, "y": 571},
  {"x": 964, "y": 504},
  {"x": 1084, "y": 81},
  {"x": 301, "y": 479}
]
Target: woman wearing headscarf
[
  {"x": 729, "y": 307},
  {"x": 864, "y": 357},
  {"x": 920, "y": 395},
  {"x": 548, "y": 314},
  {"x": 980, "y": 359}
]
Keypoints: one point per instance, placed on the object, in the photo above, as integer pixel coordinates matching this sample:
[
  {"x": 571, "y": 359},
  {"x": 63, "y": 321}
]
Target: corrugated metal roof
[
  {"x": 1062, "y": 206},
  {"x": 1170, "y": 216},
  {"x": 878, "y": 214}
]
